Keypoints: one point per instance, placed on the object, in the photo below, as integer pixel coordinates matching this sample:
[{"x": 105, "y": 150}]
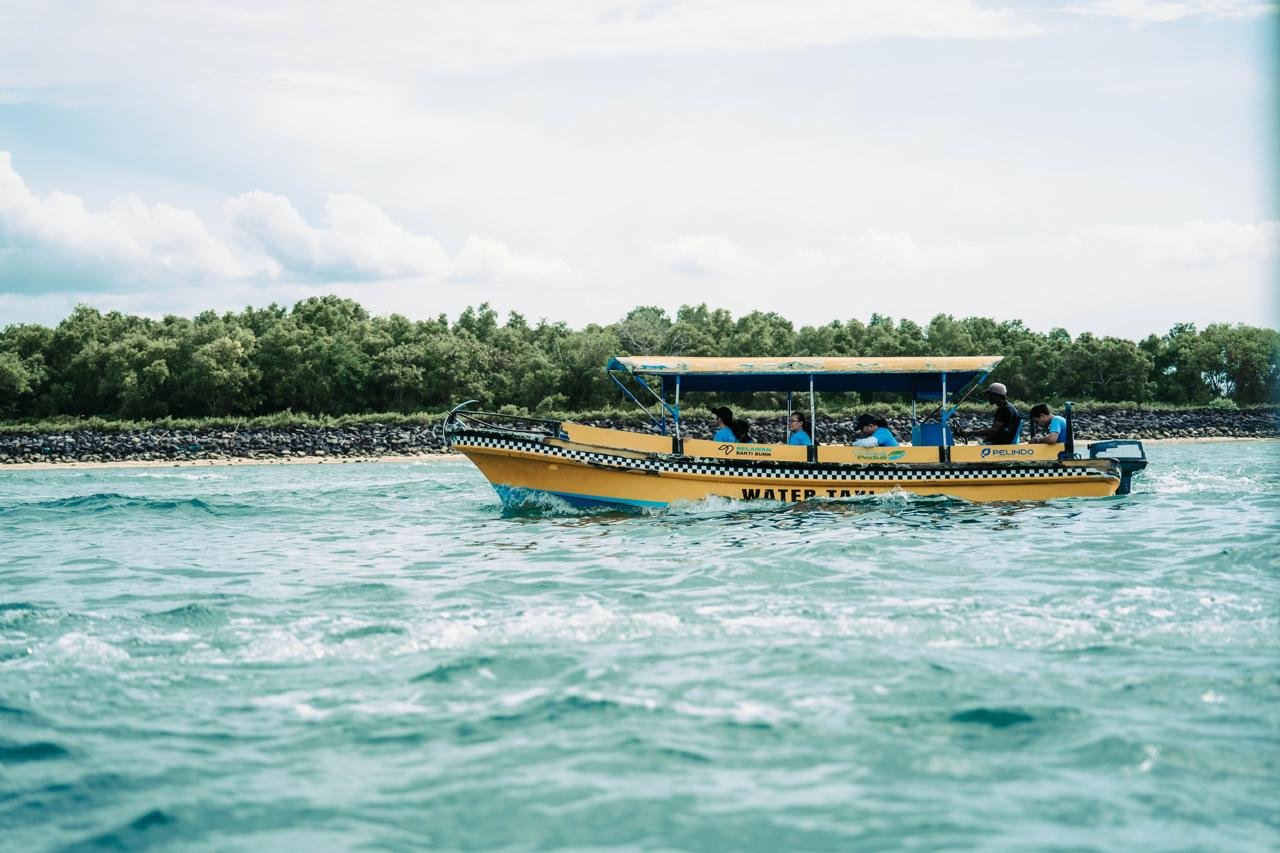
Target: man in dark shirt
[{"x": 1005, "y": 424}]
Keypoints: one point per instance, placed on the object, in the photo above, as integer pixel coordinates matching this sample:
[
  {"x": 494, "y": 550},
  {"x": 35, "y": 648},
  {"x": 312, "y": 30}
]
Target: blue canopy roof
[{"x": 920, "y": 377}]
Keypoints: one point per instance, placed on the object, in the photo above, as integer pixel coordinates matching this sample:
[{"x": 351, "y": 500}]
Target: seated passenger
[
  {"x": 726, "y": 427},
  {"x": 875, "y": 432},
  {"x": 1006, "y": 423},
  {"x": 1054, "y": 426},
  {"x": 798, "y": 430}
]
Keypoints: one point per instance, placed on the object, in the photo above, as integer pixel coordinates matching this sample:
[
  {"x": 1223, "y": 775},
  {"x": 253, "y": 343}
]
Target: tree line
[{"x": 327, "y": 355}]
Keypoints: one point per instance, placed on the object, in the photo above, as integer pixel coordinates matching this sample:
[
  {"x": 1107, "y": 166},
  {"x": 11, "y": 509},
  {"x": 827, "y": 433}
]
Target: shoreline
[
  {"x": 448, "y": 456},
  {"x": 233, "y": 461}
]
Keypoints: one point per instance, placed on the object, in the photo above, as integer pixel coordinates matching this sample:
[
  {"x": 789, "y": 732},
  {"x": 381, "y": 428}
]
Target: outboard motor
[{"x": 1127, "y": 452}]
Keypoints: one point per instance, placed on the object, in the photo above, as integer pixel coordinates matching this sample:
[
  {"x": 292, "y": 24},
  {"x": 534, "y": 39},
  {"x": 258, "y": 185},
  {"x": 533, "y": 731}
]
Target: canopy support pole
[
  {"x": 813, "y": 422},
  {"x": 677, "y": 445},
  {"x": 663, "y": 403},
  {"x": 946, "y": 415}
]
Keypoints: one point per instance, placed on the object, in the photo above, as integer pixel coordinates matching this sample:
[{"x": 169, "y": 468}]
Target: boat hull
[{"x": 594, "y": 476}]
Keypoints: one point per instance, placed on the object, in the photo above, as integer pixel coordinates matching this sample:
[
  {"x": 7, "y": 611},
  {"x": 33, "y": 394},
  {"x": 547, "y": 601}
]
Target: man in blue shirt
[
  {"x": 875, "y": 432},
  {"x": 799, "y": 430},
  {"x": 1054, "y": 426}
]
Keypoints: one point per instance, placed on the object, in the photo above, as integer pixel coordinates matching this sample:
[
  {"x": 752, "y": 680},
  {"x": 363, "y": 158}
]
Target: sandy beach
[{"x": 234, "y": 461}]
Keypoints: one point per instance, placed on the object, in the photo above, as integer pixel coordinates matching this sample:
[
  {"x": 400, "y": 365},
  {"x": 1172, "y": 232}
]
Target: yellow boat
[{"x": 525, "y": 458}]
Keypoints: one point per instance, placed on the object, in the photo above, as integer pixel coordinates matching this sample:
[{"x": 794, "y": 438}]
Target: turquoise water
[{"x": 378, "y": 656}]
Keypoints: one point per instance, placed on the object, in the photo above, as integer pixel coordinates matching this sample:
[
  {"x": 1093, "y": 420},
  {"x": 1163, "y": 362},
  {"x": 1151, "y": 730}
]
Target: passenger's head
[
  {"x": 1040, "y": 413},
  {"x": 867, "y": 424},
  {"x": 797, "y": 421},
  {"x": 724, "y": 414},
  {"x": 996, "y": 391}
]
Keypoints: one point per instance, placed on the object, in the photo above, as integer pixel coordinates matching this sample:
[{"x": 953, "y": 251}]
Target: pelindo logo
[
  {"x": 999, "y": 451},
  {"x": 897, "y": 454}
]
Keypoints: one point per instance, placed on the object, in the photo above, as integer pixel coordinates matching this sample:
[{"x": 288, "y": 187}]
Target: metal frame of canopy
[{"x": 924, "y": 378}]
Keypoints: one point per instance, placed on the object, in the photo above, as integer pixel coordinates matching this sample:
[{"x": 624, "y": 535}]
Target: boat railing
[{"x": 462, "y": 419}]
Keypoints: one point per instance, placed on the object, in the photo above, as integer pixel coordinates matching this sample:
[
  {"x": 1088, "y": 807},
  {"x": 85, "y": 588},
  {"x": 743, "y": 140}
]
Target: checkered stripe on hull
[{"x": 758, "y": 470}]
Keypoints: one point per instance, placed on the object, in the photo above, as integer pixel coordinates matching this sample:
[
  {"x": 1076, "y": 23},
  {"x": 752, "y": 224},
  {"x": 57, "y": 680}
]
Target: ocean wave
[
  {"x": 12, "y": 752},
  {"x": 189, "y": 615},
  {"x": 110, "y": 502},
  {"x": 996, "y": 718}
]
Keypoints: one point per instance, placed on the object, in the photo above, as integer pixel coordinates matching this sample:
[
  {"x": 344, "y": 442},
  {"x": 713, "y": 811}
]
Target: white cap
[{"x": 998, "y": 388}]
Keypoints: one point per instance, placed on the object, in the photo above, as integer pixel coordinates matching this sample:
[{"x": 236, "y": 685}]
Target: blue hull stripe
[{"x": 508, "y": 492}]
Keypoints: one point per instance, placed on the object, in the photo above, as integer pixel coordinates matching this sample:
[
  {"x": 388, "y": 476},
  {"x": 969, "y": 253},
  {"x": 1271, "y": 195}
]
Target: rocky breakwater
[
  {"x": 164, "y": 445},
  {"x": 374, "y": 440}
]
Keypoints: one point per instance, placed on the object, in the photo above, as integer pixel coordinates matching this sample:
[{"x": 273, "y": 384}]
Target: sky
[{"x": 1099, "y": 165}]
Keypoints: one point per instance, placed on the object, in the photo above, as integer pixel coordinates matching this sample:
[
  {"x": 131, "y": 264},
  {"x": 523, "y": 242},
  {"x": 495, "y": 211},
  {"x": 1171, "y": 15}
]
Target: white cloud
[
  {"x": 449, "y": 35},
  {"x": 482, "y": 259},
  {"x": 704, "y": 255},
  {"x": 588, "y": 28},
  {"x": 361, "y": 243},
  {"x": 1164, "y": 11},
  {"x": 1196, "y": 243},
  {"x": 892, "y": 252},
  {"x": 56, "y": 243},
  {"x": 870, "y": 251},
  {"x": 902, "y": 252}
]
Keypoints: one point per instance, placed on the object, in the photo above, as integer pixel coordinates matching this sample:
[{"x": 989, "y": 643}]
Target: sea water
[{"x": 379, "y": 656}]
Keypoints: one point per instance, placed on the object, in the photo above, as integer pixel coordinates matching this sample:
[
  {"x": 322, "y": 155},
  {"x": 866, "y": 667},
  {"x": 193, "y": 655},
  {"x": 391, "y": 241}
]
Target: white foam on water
[
  {"x": 590, "y": 620},
  {"x": 715, "y": 505},
  {"x": 659, "y": 622},
  {"x": 390, "y": 708},
  {"x": 1174, "y": 481},
  {"x": 293, "y": 701},
  {"x": 279, "y": 646},
  {"x": 646, "y": 703},
  {"x": 777, "y": 624},
  {"x": 83, "y": 648},
  {"x": 745, "y": 712},
  {"x": 515, "y": 700},
  {"x": 178, "y": 637},
  {"x": 447, "y": 633},
  {"x": 166, "y": 475}
]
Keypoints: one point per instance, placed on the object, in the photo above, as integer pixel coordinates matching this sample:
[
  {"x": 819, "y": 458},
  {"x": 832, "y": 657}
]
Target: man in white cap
[{"x": 1006, "y": 424}]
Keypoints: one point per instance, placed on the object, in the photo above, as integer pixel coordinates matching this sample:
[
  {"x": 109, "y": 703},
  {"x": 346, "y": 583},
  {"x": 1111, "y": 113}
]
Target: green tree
[
  {"x": 699, "y": 331},
  {"x": 1243, "y": 362},
  {"x": 15, "y": 382},
  {"x": 1106, "y": 369},
  {"x": 222, "y": 374},
  {"x": 582, "y": 357},
  {"x": 400, "y": 373},
  {"x": 760, "y": 334},
  {"x": 1182, "y": 361},
  {"x": 643, "y": 331}
]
